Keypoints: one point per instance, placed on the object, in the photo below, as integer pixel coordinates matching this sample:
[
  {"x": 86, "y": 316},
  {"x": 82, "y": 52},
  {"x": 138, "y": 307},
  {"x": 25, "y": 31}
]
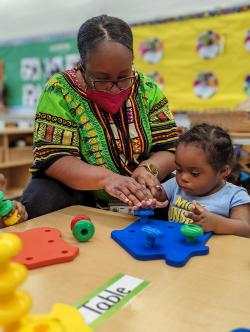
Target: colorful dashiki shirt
[{"x": 69, "y": 124}]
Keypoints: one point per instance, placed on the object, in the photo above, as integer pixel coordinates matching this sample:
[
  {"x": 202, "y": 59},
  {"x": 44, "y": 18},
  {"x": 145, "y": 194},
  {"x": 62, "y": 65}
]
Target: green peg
[
  {"x": 6, "y": 207},
  {"x": 191, "y": 232},
  {"x": 1, "y": 197},
  {"x": 83, "y": 230}
]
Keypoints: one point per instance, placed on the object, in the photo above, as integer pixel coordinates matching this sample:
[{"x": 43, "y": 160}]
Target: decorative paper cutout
[
  {"x": 205, "y": 85},
  {"x": 52, "y": 66},
  {"x": 31, "y": 69},
  {"x": 209, "y": 44},
  {"x": 247, "y": 85},
  {"x": 247, "y": 41},
  {"x": 31, "y": 94},
  {"x": 151, "y": 50}
]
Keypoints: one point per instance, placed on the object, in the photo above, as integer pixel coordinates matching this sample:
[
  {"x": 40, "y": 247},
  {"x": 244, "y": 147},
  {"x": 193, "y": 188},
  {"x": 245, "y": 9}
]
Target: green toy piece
[
  {"x": 191, "y": 232},
  {"x": 5, "y": 206},
  {"x": 83, "y": 230}
]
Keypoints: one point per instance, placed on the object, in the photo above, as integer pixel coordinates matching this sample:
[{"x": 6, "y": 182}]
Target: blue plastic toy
[
  {"x": 153, "y": 233},
  {"x": 157, "y": 239},
  {"x": 144, "y": 214}
]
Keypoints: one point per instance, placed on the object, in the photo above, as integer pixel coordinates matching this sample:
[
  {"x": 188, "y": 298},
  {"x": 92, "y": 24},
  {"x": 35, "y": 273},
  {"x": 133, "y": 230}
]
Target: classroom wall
[{"x": 30, "y": 18}]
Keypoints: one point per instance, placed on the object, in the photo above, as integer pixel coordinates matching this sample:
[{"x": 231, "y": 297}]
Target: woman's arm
[
  {"x": 164, "y": 161},
  {"x": 79, "y": 175},
  {"x": 164, "y": 164},
  {"x": 163, "y": 137}
]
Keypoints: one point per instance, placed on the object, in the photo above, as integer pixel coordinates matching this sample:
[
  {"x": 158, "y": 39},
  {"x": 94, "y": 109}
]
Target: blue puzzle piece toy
[{"x": 160, "y": 239}]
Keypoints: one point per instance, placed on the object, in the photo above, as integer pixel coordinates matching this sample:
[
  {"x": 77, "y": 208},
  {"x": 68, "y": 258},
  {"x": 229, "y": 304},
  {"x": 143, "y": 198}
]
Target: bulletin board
[
  {"x": 201, "y": 62},
  {"x": 29, "y": 64}
]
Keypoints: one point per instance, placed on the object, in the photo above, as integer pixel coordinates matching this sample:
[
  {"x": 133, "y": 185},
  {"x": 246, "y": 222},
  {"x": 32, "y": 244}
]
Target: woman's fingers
[
  {"x": 125, "y": 196},
  {"x": 127, "y": 189}
]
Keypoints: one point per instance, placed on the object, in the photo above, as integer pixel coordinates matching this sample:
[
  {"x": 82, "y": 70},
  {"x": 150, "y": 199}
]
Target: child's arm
[{"x": 237, "y": 224}]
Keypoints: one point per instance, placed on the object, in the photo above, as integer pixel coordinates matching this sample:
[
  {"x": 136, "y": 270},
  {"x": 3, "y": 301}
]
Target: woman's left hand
[{"x": 150, "y": 181}]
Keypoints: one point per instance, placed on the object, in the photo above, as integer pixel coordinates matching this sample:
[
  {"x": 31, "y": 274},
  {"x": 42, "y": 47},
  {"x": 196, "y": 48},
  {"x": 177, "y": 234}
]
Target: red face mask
[{"x": 110, "y": 102}]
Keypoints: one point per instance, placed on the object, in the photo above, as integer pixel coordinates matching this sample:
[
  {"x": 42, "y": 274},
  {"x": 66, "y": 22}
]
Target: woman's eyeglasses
[{"x": 107, "y": 85}]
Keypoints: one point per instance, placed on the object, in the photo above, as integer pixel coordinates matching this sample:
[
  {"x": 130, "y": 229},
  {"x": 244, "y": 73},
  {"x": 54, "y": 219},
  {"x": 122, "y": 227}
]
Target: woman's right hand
[{"x": 126, "y": 189}]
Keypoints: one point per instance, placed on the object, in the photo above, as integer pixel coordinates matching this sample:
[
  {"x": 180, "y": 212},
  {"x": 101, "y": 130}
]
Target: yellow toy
[
  {"x": 15, "y": 304},
  {"x": 6, "y": 207},
  {"x": 12, "y": 219}
]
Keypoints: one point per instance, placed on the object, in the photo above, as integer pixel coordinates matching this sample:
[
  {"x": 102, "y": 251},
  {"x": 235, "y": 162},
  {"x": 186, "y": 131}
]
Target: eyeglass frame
[{"x": 113, "y": 82}]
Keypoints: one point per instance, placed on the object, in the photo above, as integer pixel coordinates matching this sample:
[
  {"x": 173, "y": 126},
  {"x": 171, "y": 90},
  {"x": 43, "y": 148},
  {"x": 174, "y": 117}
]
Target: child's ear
[{"x": 226, "y": 171}]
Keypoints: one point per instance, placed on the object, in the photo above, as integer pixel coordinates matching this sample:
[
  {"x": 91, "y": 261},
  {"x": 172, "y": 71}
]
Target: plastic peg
[
  {"x": 191, "y": 232},
  {"x": 144, "y": 215},
  {"x": 77, "y": 218},
  {"x": 153, "y": 233},
  {"x": 6, "y": 207},
  {"x": 83, "y": 230}
]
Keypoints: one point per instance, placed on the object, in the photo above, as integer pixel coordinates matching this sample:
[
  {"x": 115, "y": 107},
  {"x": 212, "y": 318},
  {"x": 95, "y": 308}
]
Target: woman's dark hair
[
  {"x": 99, "y": 28},
  {"x": 215, "y": 142}
]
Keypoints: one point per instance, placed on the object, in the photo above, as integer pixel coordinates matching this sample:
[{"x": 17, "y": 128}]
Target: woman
[{"x": 100, "y": 127}]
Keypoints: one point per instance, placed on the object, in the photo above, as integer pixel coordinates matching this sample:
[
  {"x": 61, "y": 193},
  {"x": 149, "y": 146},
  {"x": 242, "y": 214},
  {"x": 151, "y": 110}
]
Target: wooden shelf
[
  {"x": 241, "y": 138},
  {"x": 15, "y": 161},
  {"x": 15, "y": 131},
  {"x": 240, "y": 134}
]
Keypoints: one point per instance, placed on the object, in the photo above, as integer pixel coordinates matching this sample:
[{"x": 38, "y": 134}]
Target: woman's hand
[
  {"x": 150, "y": 181},
  {"x": 126, "y": 189}
]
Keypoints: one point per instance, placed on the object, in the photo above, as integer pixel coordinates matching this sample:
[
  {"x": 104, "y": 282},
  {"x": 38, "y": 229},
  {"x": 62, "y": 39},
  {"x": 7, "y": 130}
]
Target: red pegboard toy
[{"x": 44, "y": 246}]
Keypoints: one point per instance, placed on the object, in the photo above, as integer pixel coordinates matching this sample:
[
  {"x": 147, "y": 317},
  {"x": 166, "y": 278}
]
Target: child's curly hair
[{"x": 215, "y": 142}]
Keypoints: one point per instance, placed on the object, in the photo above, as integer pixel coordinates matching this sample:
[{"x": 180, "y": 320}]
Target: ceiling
[{"x": 31, "y": 18}]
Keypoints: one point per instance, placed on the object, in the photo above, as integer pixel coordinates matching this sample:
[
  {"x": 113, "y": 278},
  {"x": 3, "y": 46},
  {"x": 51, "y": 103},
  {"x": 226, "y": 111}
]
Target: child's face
[{"x": 193, "y": 173}]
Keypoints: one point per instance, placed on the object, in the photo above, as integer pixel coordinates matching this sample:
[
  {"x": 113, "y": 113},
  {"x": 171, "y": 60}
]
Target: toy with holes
[
  {"x": 6, "y": 208},
  {"x": 148, "y": 239},
  {"x": 82, "y": 228},
  {"x": 15, "y": 304},
  {"x": 44, "y": 246}
]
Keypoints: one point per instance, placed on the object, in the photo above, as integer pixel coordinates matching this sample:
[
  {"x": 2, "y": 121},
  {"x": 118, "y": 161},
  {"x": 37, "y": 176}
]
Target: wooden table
[{"x": 211, "y": 293}]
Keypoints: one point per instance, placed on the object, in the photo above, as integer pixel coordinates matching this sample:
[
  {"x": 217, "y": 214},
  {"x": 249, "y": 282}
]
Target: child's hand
[
  {"x": 201, "y": 217},
  {"x": 151, "y": 203},
  {"x": 22, "y": 214}
]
